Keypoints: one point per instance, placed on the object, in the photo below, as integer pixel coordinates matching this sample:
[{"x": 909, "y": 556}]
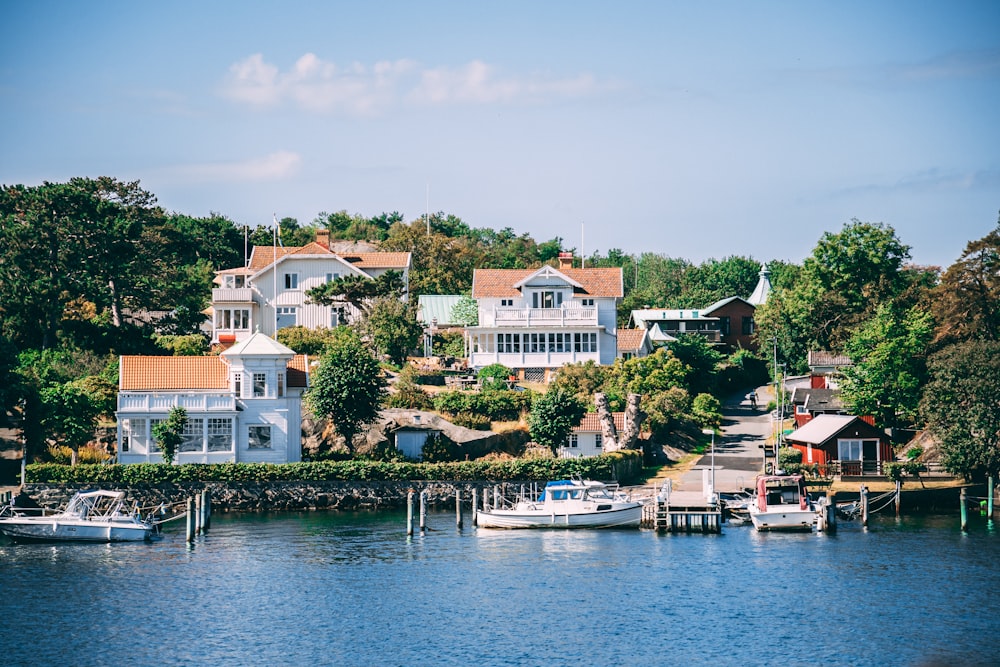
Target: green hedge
[{"x": 607, "y": 466}]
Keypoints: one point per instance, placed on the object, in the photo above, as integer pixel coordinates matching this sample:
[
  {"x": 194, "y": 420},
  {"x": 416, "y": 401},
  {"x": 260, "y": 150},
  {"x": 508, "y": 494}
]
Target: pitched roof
[
  {"x": 763, "y": 288},
  {"x": 263, "y": 256},
  {"x": 436, "y": 307},
  {"x": 206, "y": 373},
  {"x": 816, "y": 400},
  {"x": 591, "y": 424},
  {"x": 631, "y": 339},
  {"x": 722, "y": 302},
  {"x": 258, "y": 345},
  {"x": 823, "y": 358},
  {"x": 601, "y": 282},
  {"x": 821, "y": 428}
]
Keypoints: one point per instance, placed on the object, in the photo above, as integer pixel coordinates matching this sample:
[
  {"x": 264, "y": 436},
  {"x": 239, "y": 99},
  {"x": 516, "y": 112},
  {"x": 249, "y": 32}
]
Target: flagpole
[{"x": 274, "y": 276}]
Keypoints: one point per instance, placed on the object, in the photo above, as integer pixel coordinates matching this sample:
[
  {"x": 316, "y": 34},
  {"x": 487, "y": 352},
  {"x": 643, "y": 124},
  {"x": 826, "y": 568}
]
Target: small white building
[
  {"x": 587, "y": 438},
  {"x": 244, "y": 405},
  {"x": 534, "y": 321},
  {"x": 270, "y": 292}
]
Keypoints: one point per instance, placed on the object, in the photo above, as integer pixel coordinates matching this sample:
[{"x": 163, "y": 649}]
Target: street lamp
[{"x": 711, "y": 432}]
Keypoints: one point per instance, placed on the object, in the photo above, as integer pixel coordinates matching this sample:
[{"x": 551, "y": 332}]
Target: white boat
[
  {"x": 90, "y": 516},
  {"x": 781, "y": 503},
  {"x": 566, "y": 504}
]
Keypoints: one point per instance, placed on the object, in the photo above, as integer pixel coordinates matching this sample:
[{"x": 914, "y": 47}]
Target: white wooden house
[
  {"x": 586, "y": 438},
  {"x": 244, "y": 405},
  {"x": 535, "y": 320},
  {"x": 270, "y": 292}
]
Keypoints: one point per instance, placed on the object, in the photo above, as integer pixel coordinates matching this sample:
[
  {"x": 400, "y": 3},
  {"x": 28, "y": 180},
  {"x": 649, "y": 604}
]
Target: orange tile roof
[
  {"x": 263, "y": 256},
  {"x": 605, "y": 282},
  {"x": 146, "y": 373},
  {"x": 591, "y": 424},
  {"x": 630, "y": 339}
]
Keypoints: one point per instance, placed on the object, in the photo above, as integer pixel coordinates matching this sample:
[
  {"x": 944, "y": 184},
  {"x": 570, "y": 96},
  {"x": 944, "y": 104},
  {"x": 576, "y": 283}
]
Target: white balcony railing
[
  {"x": 554, "y": 317},
  {"x": 232, "y": 295},
  {"x": 153, "y": 402}
]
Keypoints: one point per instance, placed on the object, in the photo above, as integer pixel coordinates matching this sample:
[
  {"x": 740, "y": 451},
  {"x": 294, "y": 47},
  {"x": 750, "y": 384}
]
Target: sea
[{"x": 333, "y": 588}]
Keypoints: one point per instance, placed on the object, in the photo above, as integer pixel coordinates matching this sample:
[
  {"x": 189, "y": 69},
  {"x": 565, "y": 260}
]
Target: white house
[
  {"x": 587, "y": 439},
  {"x": 535, "y": 320},
  {"x": 634, "y": 343},
  {"x": 270, "y": 292},
  {"x": 244, "y": 405},
  {"x": 665, "y": 324}
]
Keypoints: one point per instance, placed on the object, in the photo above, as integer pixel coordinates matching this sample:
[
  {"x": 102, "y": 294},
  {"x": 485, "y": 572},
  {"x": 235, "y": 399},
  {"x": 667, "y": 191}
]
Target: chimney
[
  {"x": 323, "y": 238},
  {"x": 565, "y": 260}
]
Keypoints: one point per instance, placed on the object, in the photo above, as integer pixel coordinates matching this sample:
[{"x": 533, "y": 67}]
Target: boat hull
[
  {"x": 33, "y": 529},
  {"x": 627, "y": 516},
  {"x": 790, "y": 519}
]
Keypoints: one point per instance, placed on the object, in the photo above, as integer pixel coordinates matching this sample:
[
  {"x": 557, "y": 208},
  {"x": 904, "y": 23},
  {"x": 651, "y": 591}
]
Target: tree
[
  {"x": 553, "y": 416},
  {"x": 967, "y": 301},
  {"x": 581, "y": 379},
  {"x": 392, "y": 328},
  {"x": 465, "y": 312},
  {"x": 959, "y": 405},
  {"x": 358, "y": 291},
  {"x": 714, "y": 279},
  {"x": 494, "y": 377},
  {"x": 701, "y": 359},
  {"x": 347, "y": 387},
  {"x": 707, "y": 411},
  {"x": 889, "y": 355},
  {"x": 313, "y": 342},
  {"x": 169, "y": 433}
]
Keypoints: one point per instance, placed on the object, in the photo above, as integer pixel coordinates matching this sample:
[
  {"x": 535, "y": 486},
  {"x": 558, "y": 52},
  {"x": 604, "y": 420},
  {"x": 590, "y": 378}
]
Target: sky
[{"x": 694, "y": 130}]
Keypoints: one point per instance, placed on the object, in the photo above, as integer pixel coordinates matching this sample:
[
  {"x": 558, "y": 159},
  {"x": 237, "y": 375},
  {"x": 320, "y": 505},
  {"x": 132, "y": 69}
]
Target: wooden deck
[{"x": 682, "y": 513}]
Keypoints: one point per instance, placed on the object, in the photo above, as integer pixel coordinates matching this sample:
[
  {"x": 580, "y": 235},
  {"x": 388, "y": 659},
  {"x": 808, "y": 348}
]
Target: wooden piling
[
  {"x": 458, "y": 509},
  {"x": 197, "y": 513},
  {"x": 486, "y": 495},
  {"x": 831, "y": 515},
  {"x": 475, "y": 508},
  {"x": 423, "y": 510},
  {"x": 207, "y": 507},
  {"x": 989, "y": 497},
  {"x": 965, "y": 511},
  {"x": 864, "y": 505},
  {"x": 409, "y": 512},
  {"x": 899, "y": 495},
  {"x": 190, "y": 519}
]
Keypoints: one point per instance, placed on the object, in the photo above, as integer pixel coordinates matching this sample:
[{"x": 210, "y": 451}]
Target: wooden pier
[{"x": 676, "y": 514}]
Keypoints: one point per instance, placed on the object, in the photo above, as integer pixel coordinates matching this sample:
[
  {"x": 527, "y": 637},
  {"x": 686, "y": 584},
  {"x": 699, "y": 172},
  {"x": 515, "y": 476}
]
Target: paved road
[{"x": 739, "y": 456}]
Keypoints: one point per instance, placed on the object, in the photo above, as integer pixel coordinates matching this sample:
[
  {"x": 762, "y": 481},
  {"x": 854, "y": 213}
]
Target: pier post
[
  {"x": 965, "y": 511},
  {"x": 190, "y": 519},
  {"x": 486, "y": 495},
  {"x": 206, "y": 504},
  {"x": 475, "y": 508},
  {"x": 899, "y": 495},
  {"x": 423, "y": 510},
  {"x": 197, "y": 513},
  {"x": 989, "y": 497},
  {"x": 409, "y": 512},
  {"x": 831, "y": 515},
  {"x": 458, "y": 509},
  {"x": 496, "y": 495},
  {"x": 864, "y": 505}
]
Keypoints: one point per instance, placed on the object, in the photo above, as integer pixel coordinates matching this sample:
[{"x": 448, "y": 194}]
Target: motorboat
[
  {"x": 565, "y": 504},
  {"x": 90, "y": 516},
  {"x": 781, "y": 503}
]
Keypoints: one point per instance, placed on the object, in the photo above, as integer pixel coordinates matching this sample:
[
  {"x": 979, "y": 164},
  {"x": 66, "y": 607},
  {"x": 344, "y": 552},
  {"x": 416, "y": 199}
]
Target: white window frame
[
  {"x": 219, "y": 432},
  {"x": 291, "y": 281},
  {"x": 260, "y": 429},
  {"x": 573, "y": 441},
  {"x": 260, "y": 385}
]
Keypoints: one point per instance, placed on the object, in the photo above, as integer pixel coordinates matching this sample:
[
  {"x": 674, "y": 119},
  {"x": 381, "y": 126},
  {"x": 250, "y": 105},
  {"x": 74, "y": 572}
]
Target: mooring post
[
  {"x": 864, "y": 505},
  {"x": 989, "y": 497},
  {"x": 458, "y": 508},
  {"x": 965, "y": 511},
  {"x": 206, "y": 504},
  {"x": 496, "y": 495},
  {"x": 409, "y": 512},
  {"x": 190, "y": 519},
  {"x": 899, "y": 495},
  {"x": 831, "y": 515},
  {"x": 486, "y": 495},
  {"x": 475, "y": 508},
  {"x": 423, "y": 510},
  {"x": 197, "y": 513}
]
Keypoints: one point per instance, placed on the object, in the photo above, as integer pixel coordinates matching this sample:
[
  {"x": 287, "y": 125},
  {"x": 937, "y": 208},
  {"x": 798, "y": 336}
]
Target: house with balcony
[
  {"x": 535, "y": 320},
  {"x": 842, "y": 445},
  {"x": 269, "y": 293},
  {"x": 667, "y": 325},
  {"x": 243, "y": 405}
]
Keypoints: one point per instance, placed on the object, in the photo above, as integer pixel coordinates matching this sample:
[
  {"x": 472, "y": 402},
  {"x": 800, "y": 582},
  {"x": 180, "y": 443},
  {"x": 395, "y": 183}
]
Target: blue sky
[{"x": 692, "y": 129}]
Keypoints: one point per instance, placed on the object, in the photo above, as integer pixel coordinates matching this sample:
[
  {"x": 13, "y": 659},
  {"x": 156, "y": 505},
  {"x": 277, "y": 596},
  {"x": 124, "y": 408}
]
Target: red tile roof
[
  {"x": 146, "y": 373},
  {"x": 630, "y": 339},
  {"x": 264, "y": 256},
  {"x": 591, "y": 424},
  {"x": 606, "y": 282}
]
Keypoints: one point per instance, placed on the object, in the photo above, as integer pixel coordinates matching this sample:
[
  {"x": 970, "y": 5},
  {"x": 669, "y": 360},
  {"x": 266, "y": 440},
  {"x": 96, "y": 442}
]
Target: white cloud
[
  {"x": 279, "y": 165},
  {"x": 318, "y": 86}
]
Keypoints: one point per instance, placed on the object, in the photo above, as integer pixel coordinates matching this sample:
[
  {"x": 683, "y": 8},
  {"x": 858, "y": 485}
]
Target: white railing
[
  {"x": 154, "y": 402},
  {"x": 232, "y": 295},
  {"x": 532, "y": 359},
  {"x": 554, "y": 317}
]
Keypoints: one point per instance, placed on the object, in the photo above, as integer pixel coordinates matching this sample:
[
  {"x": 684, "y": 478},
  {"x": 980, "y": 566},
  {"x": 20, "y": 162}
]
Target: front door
[{"x": 869, "y": 457}]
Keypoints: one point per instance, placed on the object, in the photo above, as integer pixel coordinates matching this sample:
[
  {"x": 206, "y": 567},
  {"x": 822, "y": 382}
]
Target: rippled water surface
[{"x": 352, "y": 589}]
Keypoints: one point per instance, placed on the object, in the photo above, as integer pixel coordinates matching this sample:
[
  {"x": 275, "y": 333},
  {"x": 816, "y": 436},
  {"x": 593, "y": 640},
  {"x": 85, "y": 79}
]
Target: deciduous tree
[{"x": 553, "y": 416}]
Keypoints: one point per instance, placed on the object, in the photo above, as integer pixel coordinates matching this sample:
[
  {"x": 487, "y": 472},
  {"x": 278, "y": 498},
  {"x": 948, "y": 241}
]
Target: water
[{"x": 352, "y": 589}]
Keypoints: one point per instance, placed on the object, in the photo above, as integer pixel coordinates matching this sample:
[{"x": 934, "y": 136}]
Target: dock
[{"x": 682, "y": 512}]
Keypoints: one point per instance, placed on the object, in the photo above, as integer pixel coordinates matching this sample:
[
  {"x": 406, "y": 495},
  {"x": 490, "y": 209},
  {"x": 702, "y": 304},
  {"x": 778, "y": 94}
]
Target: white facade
[
  {"x": 243, "y": 406},
  {"x": 542, "y": 320},
  {"x": 270, "y": 293}
]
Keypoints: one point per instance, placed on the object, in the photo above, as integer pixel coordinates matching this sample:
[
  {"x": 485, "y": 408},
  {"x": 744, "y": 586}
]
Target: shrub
[
  {"x": 438, "y": 448},
  {"x": 475, "y": 421},
  {"x": 494, "y": 377}
]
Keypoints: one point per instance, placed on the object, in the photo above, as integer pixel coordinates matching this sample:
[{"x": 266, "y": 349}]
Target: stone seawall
[{"x": 284, "y": 496}]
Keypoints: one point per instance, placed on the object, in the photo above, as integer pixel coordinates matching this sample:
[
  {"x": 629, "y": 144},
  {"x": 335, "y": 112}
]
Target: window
[
  {"x": 599, "y": 441},
  {"x": 153, "y": 447},
  {"x": 259, "y": 385},
  {"x": 234, "y": 282},
  {"x": 509, "y": 343},
  {"x": 238, "y": 384},
  {"x": 747, "y": 325},
  {"x": 559, "y": 342},
  {"x": 229, "y": 319},
  {"x": 134, "y": 435},
  {"x": 586, "y": 302},
  {"x": 288, "y": 316},
  {"x": 192, "y": 435},
  {"x": 259, "y": 437},
  {"x": 281, "y": 385},
  {"x": 574, "y": 440},
  {"x": 585, "y": 342},
  {"x": 338, "y": 316},
  {"x": 724, "y": 325},
  {"x": 535, "y": 343},
  {"x": 330, "y": 277},
  {"x": 546, "y": 299},
  {"x": 849, "y": 450},
  {"x": 506, "y": 302},
  {"x": 291, "y": 281},
  {"x": 220, "y": 434}
]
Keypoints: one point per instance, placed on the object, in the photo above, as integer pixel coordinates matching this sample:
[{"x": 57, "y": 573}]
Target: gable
[
  {"x": 207, "y": 373},
  {"x": 601, "y": 282}
]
